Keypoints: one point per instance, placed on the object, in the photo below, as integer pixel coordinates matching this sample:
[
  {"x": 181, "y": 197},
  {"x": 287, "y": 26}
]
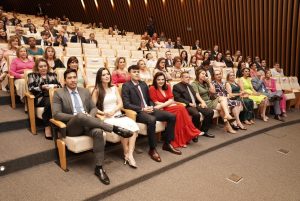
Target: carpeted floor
[{"x": 199, "y": 174}]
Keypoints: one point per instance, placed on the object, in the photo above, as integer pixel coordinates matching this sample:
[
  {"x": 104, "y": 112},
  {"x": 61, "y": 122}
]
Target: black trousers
[
  {"x": 150, "y": 120},
  {"x": 207, "y": 120},
  {"x": 47, "y": 115}
]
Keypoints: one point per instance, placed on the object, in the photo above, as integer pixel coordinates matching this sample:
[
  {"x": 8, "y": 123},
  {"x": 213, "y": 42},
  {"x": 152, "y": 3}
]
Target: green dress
[
  {"x": 248, "y": 105},
  {"x": 248, "y": 88},
  {"x": 203, "y": 90}
]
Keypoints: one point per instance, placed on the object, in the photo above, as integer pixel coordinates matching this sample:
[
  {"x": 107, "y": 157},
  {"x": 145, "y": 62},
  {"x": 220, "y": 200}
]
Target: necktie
[
  {"x": 191, "y": 95},
  {"x": 140, "y": 95},
  {"x": 76, "y": 102}
]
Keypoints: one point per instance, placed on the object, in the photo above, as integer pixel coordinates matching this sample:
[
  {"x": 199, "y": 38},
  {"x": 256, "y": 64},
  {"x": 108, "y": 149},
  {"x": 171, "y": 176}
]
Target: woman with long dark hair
[
  {"x": 109, "y": 103},
  {"x": 161, "y": 94}
]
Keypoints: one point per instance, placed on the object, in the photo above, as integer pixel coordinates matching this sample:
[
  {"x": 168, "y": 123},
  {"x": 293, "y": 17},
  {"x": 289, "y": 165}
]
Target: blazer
[
  {"x": 89, "y": 41},
  {"x": 181, "y": 94},
  {"x": 259, "y": 85},
  {"x": 131, "y": 98},
  {"x": 74, "y": 39}
]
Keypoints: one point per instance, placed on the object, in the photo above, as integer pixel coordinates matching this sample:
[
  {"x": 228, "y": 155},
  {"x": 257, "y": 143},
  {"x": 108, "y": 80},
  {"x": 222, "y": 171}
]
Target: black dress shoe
[
  {"x": 207, "y": 134},
  {"x": 100, "y": 173},
  {"x": 195, "y": 139},
  {"x": 122, "y": 132},
  {"x": 277, "y": 117},
  {"x": 170, "y": 148}
]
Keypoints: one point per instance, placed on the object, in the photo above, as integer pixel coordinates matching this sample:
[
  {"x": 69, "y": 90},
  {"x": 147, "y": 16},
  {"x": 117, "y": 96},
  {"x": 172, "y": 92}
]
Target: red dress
[{"x": 185, "y": 130}]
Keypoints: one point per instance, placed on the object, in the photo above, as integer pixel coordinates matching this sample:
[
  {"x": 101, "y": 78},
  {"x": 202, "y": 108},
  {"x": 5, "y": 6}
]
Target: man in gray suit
[
  {"x": 73, "y": 105},
  {"x": 259, "y": 85}
]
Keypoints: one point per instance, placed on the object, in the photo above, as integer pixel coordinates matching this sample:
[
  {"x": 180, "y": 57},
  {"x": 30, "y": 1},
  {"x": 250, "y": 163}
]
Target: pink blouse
[
  {"x": 18, "y": 66},
  {"x": 119, "y": 78}
]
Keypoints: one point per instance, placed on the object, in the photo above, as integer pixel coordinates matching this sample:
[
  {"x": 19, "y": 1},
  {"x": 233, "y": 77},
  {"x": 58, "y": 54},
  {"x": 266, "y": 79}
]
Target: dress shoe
[
  {"x": 122, "y": 132},
  {"x": 170, "y": 148},
  {"x": 154, "y": 155},
  {"x": 277, "y": 117},
  {"x": 207, "y": 134},
  {"x": 100, "y": 173},
  {"x": 195, "y": 139}
]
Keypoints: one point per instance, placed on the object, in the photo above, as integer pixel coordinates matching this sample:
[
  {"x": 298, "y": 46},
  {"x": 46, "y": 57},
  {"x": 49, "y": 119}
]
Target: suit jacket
[
  {"x": 259, "y": 85},
  {"x": 74, "y": 39},
  {"x": 131, "y": 98},
  {"x": 62, "y": 106},
  {"x": 89, "y": 41},
  {"x": 181, "y": 94}
]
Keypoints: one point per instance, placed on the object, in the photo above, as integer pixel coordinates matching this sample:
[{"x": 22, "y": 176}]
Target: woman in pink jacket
[
  {"x": 271, "y": 85},
  {"x": 17, "y": 68}
]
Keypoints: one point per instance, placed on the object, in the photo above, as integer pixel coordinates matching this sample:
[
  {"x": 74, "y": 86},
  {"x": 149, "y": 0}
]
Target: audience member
[
  {"x": 109, "y": 104},
  {"x": 79, "y": 117},
  {"x": 161, "y": 94},
  {"x": 258, "y": 98},
  {"x": 135, "y": 94},
  {"x": 33, "y": 50},
  {"x": 145, "y": 74},
  {"x": 53, "y": 62},
  {"x": 39, "y": 83},
  {"x": 81, "y": 78},
  {"x": 161, "y": 67},
  {"x": 184, "y": 93},
  {"x": 17, "y": 68},
  {"x": 120, "y": 74}
]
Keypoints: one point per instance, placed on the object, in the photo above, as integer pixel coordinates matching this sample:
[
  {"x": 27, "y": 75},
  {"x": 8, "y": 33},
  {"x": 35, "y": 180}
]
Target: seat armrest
[
  {"x": 58, "y": 123},
  {"x": 129, "y": 113},
  {"x": 29, "y": 95}
]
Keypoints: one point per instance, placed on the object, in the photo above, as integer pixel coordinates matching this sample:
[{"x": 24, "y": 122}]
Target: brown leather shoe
[
  {"x": 170, "y": 148},
  {"x": 154, "y": 155}
]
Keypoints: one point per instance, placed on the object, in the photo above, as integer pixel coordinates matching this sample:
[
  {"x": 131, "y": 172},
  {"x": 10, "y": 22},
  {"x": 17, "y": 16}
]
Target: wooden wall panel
[{"x": 268, "y": 28}]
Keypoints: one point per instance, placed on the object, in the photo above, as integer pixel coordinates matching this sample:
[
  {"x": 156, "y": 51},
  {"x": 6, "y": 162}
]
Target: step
[
  {"x": 4, "y": 98},
  {"x": 11, "y": 119},
  {"x": 20, "y": 149}
]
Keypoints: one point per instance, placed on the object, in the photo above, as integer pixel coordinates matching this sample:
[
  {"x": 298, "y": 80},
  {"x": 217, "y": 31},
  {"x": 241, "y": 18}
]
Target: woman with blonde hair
[
  {"x": 145, "y": 73},
  {"x": 17, "y": 69},
  {"x": 13, "y": 44},
  {"x": 120, "y": 74}
]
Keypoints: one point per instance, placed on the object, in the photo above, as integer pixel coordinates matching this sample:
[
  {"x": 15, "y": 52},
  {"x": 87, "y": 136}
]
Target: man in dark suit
[
  {"x": 78, "y": 38},
  {"x": 196, "y": 46},
  {"x": 184, "y": 92},
  {"x": 92, "y": 40},
  {"x": 135, "y": 94},
  {"x": 73, "y": 105},
  {"x": 169, "y": 59}
]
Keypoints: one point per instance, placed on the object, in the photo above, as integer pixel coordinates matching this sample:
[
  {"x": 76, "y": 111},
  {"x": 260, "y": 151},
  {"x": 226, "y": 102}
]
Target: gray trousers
[
  {"x": 276, "y": 103},
  {"x": 82, "y": 124}
]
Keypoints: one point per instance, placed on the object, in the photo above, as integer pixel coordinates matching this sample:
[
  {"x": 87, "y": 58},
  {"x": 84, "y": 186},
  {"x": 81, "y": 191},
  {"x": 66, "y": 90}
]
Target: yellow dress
[{"x": 248, "y": 88}]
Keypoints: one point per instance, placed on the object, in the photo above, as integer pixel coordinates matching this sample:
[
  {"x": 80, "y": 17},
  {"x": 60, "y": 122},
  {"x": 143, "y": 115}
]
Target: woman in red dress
[
  {"x": 161, "y": 95},
  {"x": 120, "y": 74}
]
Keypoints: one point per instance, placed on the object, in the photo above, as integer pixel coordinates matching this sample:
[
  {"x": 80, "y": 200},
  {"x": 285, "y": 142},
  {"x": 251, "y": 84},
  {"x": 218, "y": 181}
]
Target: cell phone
[{"x": 120, "y": 115}]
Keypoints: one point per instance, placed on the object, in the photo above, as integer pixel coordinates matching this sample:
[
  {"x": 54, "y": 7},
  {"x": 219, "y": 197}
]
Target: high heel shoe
[
  {"x": 131, "y": 162},
  {"x": 228, "y": 129}
]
